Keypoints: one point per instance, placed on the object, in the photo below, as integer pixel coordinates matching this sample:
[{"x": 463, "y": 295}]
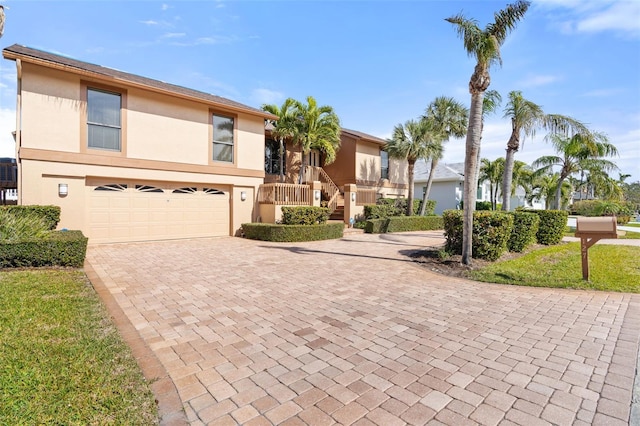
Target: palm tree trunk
[
  {"x": 507, "y": 180},
  {"x": 558, "y": 201},
  {"x": 427, "y": 191},
  {"x": 471, "y": 173},
  {"x": 410, "y": 201}
]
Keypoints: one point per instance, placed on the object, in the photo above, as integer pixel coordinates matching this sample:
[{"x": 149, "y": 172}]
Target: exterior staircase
[{"x": 338, "y": 213}]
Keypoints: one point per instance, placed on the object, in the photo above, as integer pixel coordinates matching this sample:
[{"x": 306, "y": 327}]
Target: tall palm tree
[
  {"x": 526, "y": 117},
  {"x": 484, "y": 46},
  {"x": 581, "y": 151},
  {"x": 450, "y": 118},
  {"x": 544, "y": 186},
  {"x": 411, "y": 142},
  {"x": 316, "y": 127},
  {"x": 283, "y": 127},
  {"x": 492, "y": 171}
]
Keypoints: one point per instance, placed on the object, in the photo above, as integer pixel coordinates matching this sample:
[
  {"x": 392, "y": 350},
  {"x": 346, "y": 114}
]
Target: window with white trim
[{"x": 384, "y": 165}]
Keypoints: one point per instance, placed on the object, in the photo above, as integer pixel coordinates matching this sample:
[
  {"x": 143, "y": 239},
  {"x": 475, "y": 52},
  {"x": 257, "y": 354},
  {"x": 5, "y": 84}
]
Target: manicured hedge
[
  {"x": 390, "y": 207},
  {"x": 491, "y": 233},
  {"x": 56, "y": 248},
  {"x": 525, "y": 228},
  {"x": 552, "y": 226},
  {"x": 50, "y": 214},
  {"x": 403, "y": 224},
  {"x": 292, "y": 233},
  {"x": 304, "y": 215}
]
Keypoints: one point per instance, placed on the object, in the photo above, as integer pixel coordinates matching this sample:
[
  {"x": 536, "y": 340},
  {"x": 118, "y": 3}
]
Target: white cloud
[
  {"x": 266, "y": 96},
  {"x": 533, "y": 80},
  {"x": 165, "y": 6},
  {"x": 602, "y": 93},
  {"x": 622, "y": 17},
  {"x": 173, "y": 35},
  {"x": 150, "y": 22}
]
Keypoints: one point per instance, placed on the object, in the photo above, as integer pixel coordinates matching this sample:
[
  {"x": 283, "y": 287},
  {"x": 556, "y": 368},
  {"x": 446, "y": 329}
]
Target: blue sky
[{"x": 377, "y": 63}]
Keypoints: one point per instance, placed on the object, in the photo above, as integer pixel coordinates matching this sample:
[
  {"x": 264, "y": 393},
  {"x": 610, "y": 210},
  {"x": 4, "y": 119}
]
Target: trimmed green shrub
[
  {"x": 304, "y": 215},
  {"x": 491, "y": 233},
  {"x": 17, "y": 226},
  {"x": 390, "y": 207},
  {"x": 54, "y": 248},
  {"x": 585, "y": 207},
  {"x": 483, "y": 205},
  {"x": 50, "y": 214},
  {"x": 403, "y": 224},
  {"x": 525, "y": 228},
  {"x": 292, "y": 233},
  {"x": 552, "y": 226}
]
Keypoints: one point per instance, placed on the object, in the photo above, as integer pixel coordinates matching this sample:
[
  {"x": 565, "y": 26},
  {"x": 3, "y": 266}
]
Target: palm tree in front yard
[
  {"x": 576, "y": 153},
  {"x": 412, "y": 141},
  {"x": 484, "y": 46},
  {"x": 492, "y": 171},
  {"x": 450, "y": 118},
  {"x": 283, "y": 128},
  {"x": 316, "y": 127}
]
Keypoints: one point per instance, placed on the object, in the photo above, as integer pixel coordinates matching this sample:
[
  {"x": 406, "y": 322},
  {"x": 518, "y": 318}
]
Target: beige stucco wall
[
  {"x": 157, "y": 127},
  {"x": 41, "y": 181},
  {"x": 367, "y": 161}
]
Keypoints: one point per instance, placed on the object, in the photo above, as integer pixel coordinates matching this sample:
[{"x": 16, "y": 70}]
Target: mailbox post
[{"x": 591, "y": 230}]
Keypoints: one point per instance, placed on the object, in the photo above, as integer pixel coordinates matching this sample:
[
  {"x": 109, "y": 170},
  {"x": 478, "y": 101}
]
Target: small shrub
[
  {"x": 403, "y": 224},
  {"x": 50, "y": 214},
  {"x": 585, "y": 207},
  {"x": 391, "y": 207},
  {"x": 54, "y": 248},
  {"x": 304, "y": 215},
  {"x": 484, "y": 205},
  {"x": 525, "y": 228},
  {"x": 491, "y": 233},
  {"x": 292, "y": 233},
  {"x": 552, "y": 226}
]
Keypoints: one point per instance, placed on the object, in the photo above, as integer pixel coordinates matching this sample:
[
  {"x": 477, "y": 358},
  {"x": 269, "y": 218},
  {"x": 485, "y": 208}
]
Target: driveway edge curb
[{"x": 170, "y": 407}]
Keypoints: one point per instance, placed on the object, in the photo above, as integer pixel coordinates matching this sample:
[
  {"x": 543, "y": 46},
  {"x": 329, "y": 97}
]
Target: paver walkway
[{"x": 351, "y": 332}]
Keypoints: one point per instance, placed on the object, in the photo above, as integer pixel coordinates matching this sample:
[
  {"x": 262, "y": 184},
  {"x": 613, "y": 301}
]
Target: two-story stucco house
[{"x": 129, "y": 158}]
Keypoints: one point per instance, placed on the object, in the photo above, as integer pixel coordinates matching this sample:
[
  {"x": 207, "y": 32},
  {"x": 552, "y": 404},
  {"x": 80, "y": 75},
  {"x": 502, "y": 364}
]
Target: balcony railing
[{"x": 284, "y": 194}]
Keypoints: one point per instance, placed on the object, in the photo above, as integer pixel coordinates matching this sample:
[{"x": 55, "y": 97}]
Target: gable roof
[
  {"x": 361, "y": 135},
  {"x": 443, "y": 172},
  {"x": 51, "y": 60}
]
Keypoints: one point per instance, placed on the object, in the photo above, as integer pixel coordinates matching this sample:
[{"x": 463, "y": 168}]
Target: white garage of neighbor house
[{"x": 129, "y": 158}]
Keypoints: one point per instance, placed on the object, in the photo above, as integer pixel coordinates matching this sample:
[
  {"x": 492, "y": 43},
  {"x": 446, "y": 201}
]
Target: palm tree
[
  {"x": 492, "y": 171},
  {"x": 581, "y": 151},
  {"x": 544, "y": 185},
  {"x": 411, "y": 142},
  {"x": 316, "y": 127},
  {"x": 284, "y": 127},
  {"x": 484, "y": 46},
  {"x": 526, "y": 117},
  {"x": 449, "y": 118}
]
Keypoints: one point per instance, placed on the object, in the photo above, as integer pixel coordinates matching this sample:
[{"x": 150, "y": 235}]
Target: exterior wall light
[
  {"x": 316, "y": 194},
  {"x": 63, "y": 189},
  {"x": 353, "y": 196},
  {"x": 243, "y": 195}
]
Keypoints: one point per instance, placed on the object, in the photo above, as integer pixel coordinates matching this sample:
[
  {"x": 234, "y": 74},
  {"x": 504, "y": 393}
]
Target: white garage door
[{"x": 143, "y": 211}]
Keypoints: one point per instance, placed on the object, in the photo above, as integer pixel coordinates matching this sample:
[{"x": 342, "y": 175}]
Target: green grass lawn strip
[
  {"x": 612, "y": 268},
  {"x": 63, "y": 361}
]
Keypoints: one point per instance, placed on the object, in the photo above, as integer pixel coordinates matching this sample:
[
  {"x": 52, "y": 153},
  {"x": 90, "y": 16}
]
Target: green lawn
[
  {"x": 612, "y": 268},
  {"x": 628, "y": 235},
  {"x": 634, "y": 225},
  {"x": 62, "y": 360}
]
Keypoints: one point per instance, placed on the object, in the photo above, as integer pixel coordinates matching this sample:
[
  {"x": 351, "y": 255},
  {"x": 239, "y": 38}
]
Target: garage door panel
[{"x": 131, "y": 214}]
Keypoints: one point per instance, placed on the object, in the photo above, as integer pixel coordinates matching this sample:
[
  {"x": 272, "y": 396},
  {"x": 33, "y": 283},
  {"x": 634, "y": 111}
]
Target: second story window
[
  {"x": 104, "y": 120},
  {"x": 223, "y": 138},
  {"x": 384, "y": 165}
]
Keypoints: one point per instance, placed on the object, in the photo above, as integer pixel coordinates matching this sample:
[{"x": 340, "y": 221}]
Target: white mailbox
[{"x": 590, "y": 230}]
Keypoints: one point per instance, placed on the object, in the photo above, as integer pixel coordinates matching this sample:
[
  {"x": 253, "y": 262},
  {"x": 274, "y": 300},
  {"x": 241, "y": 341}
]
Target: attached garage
[{"x": 143, "y": 211}]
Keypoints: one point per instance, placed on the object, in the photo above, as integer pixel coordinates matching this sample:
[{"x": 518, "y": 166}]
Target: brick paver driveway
[{"x": 351, "y": 332}]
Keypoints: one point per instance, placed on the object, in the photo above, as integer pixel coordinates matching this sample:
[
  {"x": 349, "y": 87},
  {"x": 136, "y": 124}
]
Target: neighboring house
[
  {"x": 448, "y": 183},
  {"x": 128, "y": 158},
  {"x": 8, "y": 181},
  {"x": 360, "y": 161},
  {"x": 447, "y": 186}
]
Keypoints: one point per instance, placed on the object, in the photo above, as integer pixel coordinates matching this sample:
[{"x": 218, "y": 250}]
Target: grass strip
[
  {"x": 63, "y": 361},
  {"x": 612, "y": 268}
]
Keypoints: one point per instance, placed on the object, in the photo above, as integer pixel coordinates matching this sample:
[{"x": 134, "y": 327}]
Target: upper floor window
[
  {"x": 223, "y": 138},
  {"x": 384, "y": 165},
  {"x": 104, "y": 120}
]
